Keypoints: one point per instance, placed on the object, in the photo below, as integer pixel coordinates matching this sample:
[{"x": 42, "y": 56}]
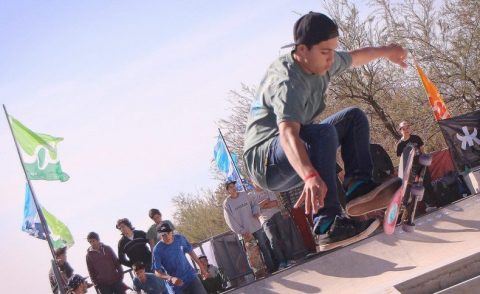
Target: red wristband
[{"x": 310, "y": 175}]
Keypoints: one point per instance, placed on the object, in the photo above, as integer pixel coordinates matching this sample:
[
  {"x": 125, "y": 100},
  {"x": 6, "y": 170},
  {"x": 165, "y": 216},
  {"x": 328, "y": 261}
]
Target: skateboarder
[{"x": 284, "y": 148}]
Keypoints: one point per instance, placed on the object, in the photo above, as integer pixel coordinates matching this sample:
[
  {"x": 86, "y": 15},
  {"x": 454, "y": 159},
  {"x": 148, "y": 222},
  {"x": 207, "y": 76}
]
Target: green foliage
[{"x": 199, "y": 216}]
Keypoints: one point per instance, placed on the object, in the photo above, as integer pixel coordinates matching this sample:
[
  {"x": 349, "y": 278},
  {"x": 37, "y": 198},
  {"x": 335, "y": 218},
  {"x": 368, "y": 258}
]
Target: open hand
[
  {"x": 204, "y": 273},
  {"x": 313, "y": 195},
  {"x": 396, "y": 54}
]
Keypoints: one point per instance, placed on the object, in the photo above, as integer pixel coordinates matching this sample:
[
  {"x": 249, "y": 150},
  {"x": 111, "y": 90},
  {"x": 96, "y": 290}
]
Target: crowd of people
[
  {"x": 157, "y": 259},
  {"x": 285, "y": 147}
]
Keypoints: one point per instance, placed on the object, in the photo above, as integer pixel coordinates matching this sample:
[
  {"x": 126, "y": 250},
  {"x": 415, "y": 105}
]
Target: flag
[
  {"x": 59, "y": 232},
  {"x": 225, "y": 164},
  {"x": 39, "y": 153},
  {"x": 437, "y": 103}
]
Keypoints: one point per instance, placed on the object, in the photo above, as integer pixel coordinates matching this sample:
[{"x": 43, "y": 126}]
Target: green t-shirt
[{"x": 286, "y": 93}]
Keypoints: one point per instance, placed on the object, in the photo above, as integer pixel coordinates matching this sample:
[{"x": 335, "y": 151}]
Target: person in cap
[
  {"x": 147, "y": 282},
  {"x": 132, "y": 247},
  {"x": 241, "y": 213},
  {"x": 408, "y": 138},
  {"x": 285, "y": 147},
  {"x": 213, "y": 282},
  {"x": 274, "y": 226},
  {"x": 77, "y": 285},
  {"x": 66, "y": 271},
  {"x": 156, "y": 216},
  {"x": 170, "y": 263},
  {"x": 104, "y": 267}
]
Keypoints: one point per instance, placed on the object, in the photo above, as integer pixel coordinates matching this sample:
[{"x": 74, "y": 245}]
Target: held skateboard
[
  {"x": 254, "y": 257},
  {"x": 413, "y": 166}
]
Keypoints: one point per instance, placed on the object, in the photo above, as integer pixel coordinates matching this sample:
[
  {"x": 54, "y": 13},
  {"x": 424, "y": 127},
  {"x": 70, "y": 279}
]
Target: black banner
[{"x": 462, "y": 134}]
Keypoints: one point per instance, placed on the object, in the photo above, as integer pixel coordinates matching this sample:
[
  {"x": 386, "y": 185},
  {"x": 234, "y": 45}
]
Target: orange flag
[{"x": 437, "y": 103}]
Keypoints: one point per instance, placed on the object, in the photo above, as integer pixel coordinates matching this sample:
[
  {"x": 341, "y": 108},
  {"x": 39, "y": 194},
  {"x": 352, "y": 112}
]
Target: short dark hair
[
  {"x": 60, "y": 251},
  {"x": 93, "y": 235},
  {"x": 138, "y": 266},
  {"x": 228, "y": 183},
  {"x": 124, "y": 221},
  {"x": 152, "y": 212}
]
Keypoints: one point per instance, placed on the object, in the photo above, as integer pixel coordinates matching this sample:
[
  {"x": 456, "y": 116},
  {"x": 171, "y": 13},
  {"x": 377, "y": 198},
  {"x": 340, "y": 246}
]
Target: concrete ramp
[{"x": 444, "y": 243}]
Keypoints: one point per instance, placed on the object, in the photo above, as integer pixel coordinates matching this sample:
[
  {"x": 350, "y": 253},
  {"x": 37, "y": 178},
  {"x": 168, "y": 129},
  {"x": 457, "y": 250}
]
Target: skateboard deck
[
  {"x": 406, "y": 198},
  {"x": 393, "y": 209},
  {"x": 254, "y": 257}
]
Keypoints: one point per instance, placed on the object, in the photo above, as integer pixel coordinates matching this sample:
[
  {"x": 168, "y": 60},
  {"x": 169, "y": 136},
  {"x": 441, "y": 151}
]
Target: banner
[
  {"x": 59, "y": 232},
  {"x": 39, "y": 153},
  {"x": 461, "y": 134},
  {"x": 226, "y": 163},
  {"x": 437, "y": 103}
]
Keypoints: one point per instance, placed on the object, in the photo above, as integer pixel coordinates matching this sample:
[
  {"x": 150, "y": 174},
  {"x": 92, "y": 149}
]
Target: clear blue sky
[{"x": 135, "y": 88}]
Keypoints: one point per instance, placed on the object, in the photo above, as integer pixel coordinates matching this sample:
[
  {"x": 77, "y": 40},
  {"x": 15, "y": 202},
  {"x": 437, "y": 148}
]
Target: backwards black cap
[{"x": 313, "y": 28}]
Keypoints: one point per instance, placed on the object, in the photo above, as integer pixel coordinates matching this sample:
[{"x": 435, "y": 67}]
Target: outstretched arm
[{"x": 395, "y": 53}]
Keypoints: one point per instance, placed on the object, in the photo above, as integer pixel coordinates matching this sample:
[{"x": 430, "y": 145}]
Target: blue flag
[
  {"x": 59, "y": 233},
  {"x": 225, "y": 164},
  {"x": 31, "y": 219}
]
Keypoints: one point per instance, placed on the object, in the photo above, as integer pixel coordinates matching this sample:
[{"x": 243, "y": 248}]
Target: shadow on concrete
[
  {"x": 263, "y": 286},
  {"x": 353, "y": 265}
]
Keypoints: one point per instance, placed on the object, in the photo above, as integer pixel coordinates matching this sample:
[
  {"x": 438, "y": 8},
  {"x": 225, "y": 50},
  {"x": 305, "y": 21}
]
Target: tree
[
  {"x": 445, "y": 40},
  {"x": 233, "y": 127},
  {"x": 199, "y": 216}
]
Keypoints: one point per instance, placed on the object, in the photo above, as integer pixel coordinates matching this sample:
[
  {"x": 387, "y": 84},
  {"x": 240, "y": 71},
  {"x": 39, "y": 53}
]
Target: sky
[{"x": 135, "y": 88}]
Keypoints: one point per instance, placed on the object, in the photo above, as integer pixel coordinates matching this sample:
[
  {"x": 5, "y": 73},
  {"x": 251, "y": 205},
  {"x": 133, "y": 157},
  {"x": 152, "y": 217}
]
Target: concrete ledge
[
  {"x": 444, "y": 277},
  {"x": 377, "y": 264}
]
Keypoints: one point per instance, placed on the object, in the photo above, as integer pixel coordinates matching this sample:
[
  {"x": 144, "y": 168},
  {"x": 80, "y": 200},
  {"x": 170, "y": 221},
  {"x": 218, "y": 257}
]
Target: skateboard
[
  {"x": 413, "y": 166},
  {"x": 255, "y": 261}
]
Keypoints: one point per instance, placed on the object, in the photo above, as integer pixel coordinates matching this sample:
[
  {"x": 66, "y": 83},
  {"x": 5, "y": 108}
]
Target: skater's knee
[{"x": 357, "y": 114}]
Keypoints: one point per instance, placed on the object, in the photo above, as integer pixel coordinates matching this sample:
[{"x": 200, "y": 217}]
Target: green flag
[
  {"x": 39, "y": 152},
  {"x": 59, "y": 232}
]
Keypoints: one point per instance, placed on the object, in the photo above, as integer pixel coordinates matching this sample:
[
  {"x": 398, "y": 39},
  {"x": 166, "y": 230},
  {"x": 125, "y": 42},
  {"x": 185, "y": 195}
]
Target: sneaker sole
[
  {"x": 377, "y": 199},
  {"x": 364, "y": 234}
]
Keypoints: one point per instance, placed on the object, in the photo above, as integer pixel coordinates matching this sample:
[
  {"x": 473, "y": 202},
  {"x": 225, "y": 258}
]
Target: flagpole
[
  {"x": 43, "y": 221},
  {"x": 231, "y": 158}
]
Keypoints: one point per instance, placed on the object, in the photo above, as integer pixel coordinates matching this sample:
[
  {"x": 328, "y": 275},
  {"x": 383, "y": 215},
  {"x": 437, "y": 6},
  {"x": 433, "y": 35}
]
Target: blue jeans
[
  {"x": 195, "y": 287},
  {"x": 349, "y": 129},
  {"x": 277, "y": 232},
  {"x": 263, "y": 244}
]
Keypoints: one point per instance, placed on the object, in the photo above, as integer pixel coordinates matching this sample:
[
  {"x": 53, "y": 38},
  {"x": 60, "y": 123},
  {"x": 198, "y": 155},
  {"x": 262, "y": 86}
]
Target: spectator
[
  {"x": 66, "y": 271},
  {"x": 408, "y": 138},
  {"x": 213, "y": 282},
  {"x": 77, "y": 285},
  {"x": 104, "y": 267},
  {"x": 241, "y": 215},
  {"x": 382, "y": 163},
  {"x": 133, "y": 245},
  {"x": 274, "y": 226},
  {"x": 171, "y": 264},
  {"x": 152, "y": 236},
  {"x": 147, "y": 282}
]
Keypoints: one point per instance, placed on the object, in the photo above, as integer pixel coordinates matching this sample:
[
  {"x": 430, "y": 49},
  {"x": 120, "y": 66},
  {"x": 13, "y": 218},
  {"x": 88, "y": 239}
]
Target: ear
[{"x": 301, "y": 49}]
